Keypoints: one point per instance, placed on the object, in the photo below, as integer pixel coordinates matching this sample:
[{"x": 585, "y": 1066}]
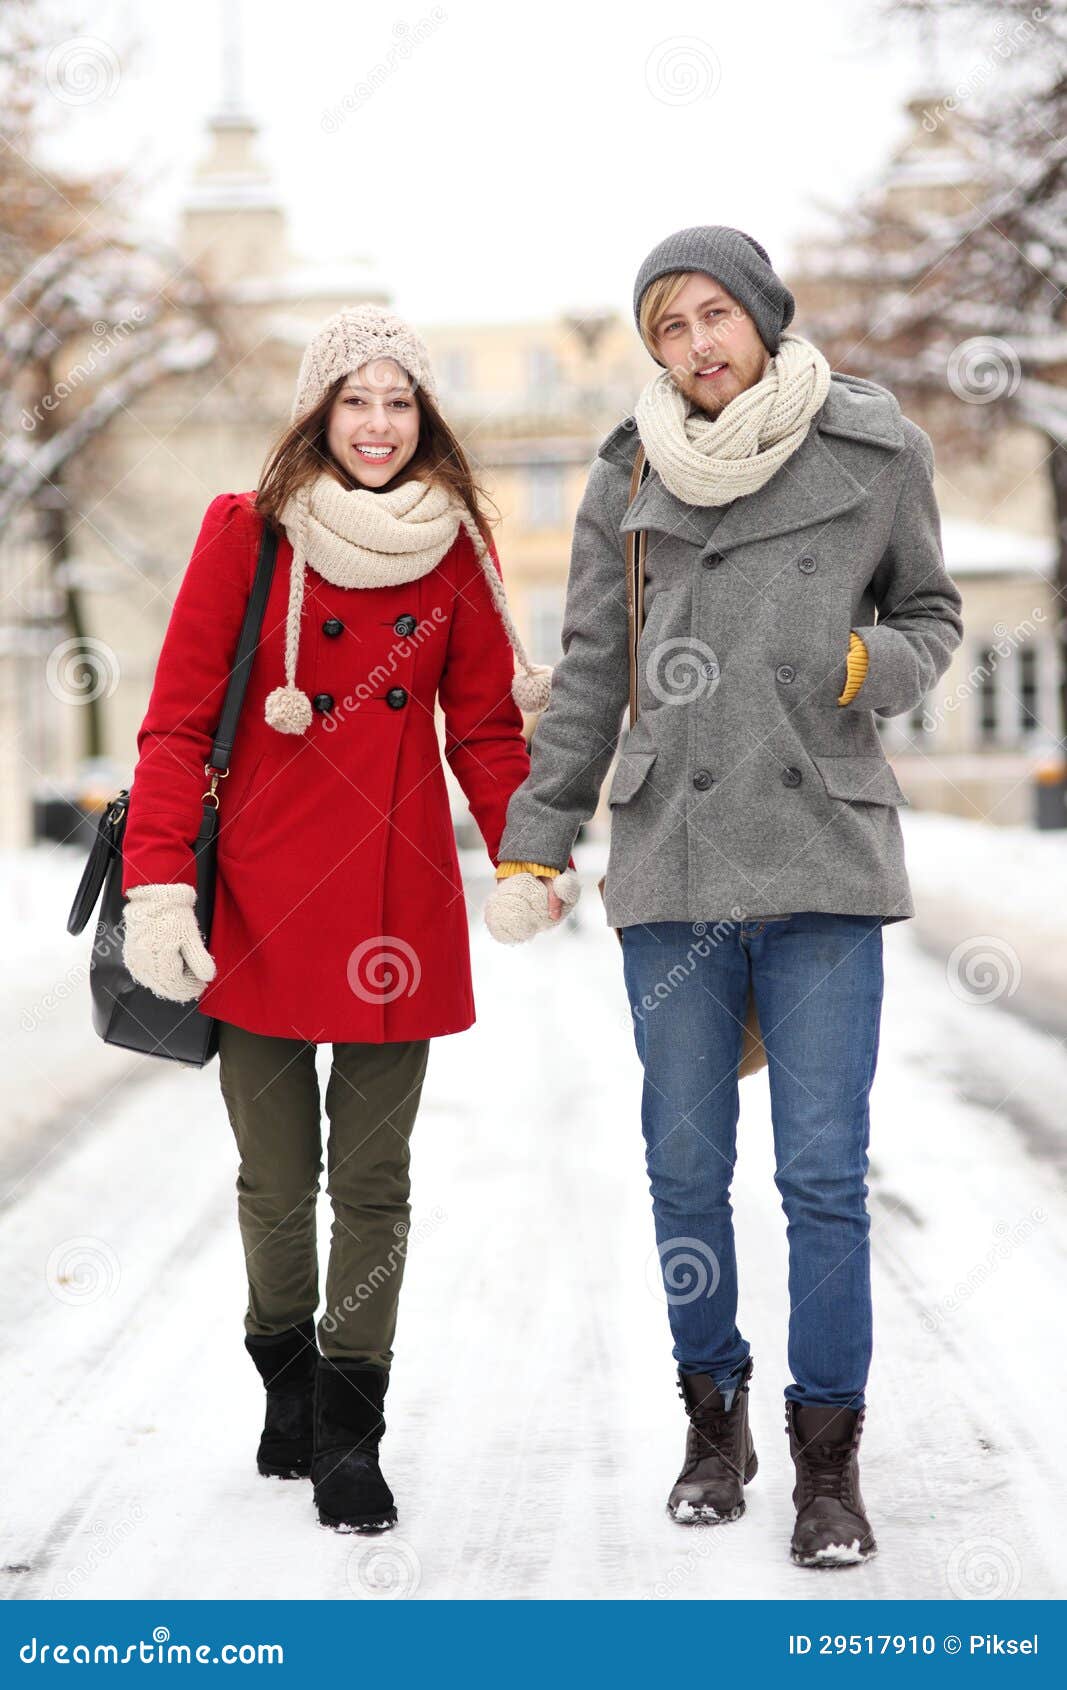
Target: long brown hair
[{"x": 301, "y": 453}]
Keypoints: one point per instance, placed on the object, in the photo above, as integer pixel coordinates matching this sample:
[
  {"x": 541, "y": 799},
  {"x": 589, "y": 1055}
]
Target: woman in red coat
[{"x": 339, "y": 913}]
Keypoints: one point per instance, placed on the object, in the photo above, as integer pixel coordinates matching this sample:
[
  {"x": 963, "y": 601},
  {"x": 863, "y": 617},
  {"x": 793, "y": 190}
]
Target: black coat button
[
  {"x": 396, "y": 698},
  {"x": 807, "y": 565},
  {"x": 785, "y": 673},
  {"x": 332, "y": 627},
  {"x": 322, "y": 701},
  {"x": 712, "y": 559},
  {"x": 791, "y": 777},
  {"x": 703, "y": 779},
  {"x": 404, "y": 625}
]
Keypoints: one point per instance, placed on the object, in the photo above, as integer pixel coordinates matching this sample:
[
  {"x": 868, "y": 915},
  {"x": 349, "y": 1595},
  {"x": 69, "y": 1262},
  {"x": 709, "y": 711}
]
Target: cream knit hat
[
  {"x": 351, "y": 338},
  {"x": 357, "y": 539}
]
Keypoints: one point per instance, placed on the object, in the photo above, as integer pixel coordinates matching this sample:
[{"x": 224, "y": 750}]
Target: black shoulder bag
[{"x": 124, "y": 1012}]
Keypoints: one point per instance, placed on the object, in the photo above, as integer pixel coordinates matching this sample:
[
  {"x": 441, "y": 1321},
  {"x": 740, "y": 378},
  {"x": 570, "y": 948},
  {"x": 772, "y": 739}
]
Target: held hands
[
  {"x": 163, "y": 948},
  {"x": 523, "y": 905}
]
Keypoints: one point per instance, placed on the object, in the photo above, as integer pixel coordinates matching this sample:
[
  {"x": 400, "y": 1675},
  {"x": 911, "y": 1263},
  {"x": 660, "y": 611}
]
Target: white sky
[{"x": 523, "y": 158}]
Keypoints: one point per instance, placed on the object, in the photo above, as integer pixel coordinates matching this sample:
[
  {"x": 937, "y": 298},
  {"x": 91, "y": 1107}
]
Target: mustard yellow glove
[
  {"x": 503, "y": 870},
  {"x": 856, "y": 668}
]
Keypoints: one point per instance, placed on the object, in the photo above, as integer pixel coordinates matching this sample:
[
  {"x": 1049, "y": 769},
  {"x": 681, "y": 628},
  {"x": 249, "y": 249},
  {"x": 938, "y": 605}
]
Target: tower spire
[{"x": 233, "y": 103}]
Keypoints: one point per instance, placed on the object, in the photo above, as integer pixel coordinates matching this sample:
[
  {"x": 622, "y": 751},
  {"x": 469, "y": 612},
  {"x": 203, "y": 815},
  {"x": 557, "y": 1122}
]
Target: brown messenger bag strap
[{"x": 635, "y": 581}]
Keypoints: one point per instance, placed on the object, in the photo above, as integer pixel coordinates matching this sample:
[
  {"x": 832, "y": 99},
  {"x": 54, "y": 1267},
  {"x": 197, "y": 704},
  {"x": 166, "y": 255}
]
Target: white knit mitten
[
  {"x": 163, "y": 948},
  {"x": 517, "y": 908}
]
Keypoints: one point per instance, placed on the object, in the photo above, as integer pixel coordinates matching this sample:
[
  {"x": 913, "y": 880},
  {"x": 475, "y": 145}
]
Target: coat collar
[{"x": 812, "y": 487}]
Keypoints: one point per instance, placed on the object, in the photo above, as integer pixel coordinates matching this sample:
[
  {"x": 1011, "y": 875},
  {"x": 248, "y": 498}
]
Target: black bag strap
[
  {"x": 247, "y": 644},
  {"x": 109, "y": 828},
  {"x": 111, "y": 825},
  {"x": 636, "y": 541}
]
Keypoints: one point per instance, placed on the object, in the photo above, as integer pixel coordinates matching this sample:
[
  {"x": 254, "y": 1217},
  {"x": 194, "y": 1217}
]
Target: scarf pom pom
[
  {"x": 532, "y": 689},
  {"x": 288, "y": 709}
]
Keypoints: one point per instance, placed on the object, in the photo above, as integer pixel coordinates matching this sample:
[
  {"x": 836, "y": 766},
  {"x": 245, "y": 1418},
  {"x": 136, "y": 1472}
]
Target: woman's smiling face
[{"x": 373, "y": 426}]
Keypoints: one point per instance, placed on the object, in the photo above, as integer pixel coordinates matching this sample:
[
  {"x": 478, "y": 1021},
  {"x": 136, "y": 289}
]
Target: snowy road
[{"x": 534, "y": 1426}]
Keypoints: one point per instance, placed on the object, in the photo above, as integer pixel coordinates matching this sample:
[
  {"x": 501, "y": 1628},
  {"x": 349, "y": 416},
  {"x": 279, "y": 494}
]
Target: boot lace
[
  {"x": 711, "y": 1433},
  {"x": 826, "y": 1467}
]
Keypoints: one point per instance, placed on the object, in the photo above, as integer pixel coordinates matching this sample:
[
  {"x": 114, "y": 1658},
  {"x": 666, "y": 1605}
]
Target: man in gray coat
[{"x": 794, "y": 590}]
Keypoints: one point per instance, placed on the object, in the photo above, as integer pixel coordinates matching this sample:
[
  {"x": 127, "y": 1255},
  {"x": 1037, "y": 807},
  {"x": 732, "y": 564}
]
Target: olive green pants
[{"x": 271, "y": 1090}]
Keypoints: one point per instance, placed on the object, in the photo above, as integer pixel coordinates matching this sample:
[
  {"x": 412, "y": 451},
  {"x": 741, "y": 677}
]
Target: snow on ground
[
  {"x": 996, "y": 899},
  {"x": 534, "y": 1428}
]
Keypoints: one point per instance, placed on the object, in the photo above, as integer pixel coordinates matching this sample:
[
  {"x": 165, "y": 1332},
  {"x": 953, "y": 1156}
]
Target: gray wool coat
[{"x": 745, "y": 790}]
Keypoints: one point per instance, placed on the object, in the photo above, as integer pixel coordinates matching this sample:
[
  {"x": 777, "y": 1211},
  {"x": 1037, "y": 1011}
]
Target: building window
[
  {"x": 544, "y": 496},
  {"x": 988, "y": 688},
  {"x": 454, "y": 367},
  {"x": 545, "y": 611},
  {"x": 1028, "y": 691},
  {"x": 542, "y": 372}
]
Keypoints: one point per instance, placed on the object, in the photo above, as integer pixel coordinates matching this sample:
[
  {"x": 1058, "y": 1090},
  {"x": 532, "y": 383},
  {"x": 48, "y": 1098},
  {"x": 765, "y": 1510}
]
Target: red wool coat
[{"x": 339, "y": 910}]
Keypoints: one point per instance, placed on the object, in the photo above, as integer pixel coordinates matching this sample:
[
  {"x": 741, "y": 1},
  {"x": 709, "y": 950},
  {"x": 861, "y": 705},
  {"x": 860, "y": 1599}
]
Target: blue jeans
[{"x": 817, "y": 981}]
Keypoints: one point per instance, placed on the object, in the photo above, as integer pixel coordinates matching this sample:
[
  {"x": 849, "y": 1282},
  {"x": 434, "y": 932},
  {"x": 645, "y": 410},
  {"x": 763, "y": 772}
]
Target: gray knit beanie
[{"x": 734, "y": 259}]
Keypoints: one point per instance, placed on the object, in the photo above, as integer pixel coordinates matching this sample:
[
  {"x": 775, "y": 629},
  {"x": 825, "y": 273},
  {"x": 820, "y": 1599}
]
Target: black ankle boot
[
  {"x": 286, "y": 1364},
  {"x": 350, "y": 1492},
  {"x": 832, "y": 1528},
  {"x": 719, "y": 1455}
]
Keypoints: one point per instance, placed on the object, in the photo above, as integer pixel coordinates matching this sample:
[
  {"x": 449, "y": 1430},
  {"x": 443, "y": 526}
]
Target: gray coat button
[
  {"x": 703, "y": 779},
  {"x": 791, "y": 777},
  {"x": 785, "y": 673}
]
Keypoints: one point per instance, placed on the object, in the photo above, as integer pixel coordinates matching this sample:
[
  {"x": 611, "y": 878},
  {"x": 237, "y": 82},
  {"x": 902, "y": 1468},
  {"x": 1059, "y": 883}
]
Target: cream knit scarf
[
  {"x": 356, "y": 538},
  {"x": 706, "y": 460}
]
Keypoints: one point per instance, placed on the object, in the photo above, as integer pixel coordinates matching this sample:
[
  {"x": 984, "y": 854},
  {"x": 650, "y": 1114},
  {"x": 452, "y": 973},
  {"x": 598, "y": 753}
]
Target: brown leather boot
[
  {"x": 719, "y": 1457},
  {"x": 832, "y": 1528}
]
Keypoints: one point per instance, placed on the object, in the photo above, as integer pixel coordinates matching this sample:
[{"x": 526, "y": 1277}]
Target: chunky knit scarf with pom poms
[{"x": 356, "y": 538}]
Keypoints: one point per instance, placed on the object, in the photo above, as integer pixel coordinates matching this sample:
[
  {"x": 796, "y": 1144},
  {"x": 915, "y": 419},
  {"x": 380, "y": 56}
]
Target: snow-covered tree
[
  {"x": 91, "y": 318},
  {"x": 955, "y": 292}
]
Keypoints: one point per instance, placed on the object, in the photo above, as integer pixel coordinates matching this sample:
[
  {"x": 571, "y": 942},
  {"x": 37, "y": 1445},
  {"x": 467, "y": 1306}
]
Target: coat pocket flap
[
  {"x": 630, "y": 775},
  {"x": 864, "y": 780}
]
